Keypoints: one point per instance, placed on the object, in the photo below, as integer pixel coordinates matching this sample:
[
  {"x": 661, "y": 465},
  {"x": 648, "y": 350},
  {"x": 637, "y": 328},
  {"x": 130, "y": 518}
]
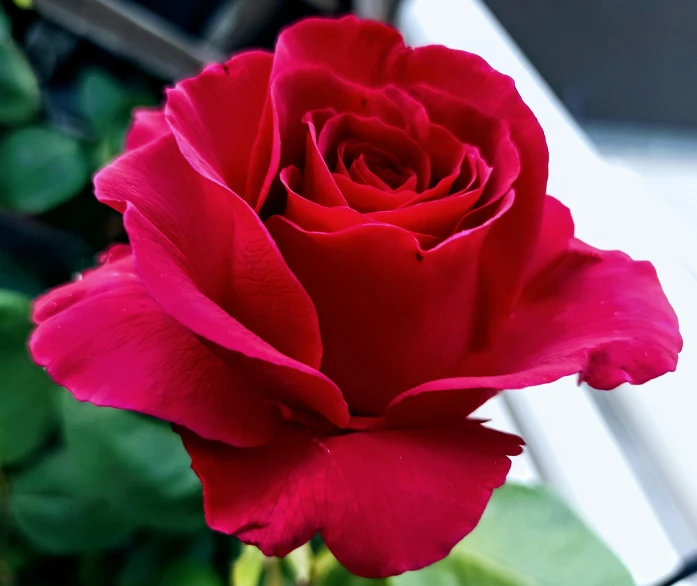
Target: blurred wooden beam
[{"x": 132, "y": 32}]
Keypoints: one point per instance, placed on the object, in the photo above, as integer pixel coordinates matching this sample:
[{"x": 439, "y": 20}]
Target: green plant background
[{"x": 92, "y": 496}]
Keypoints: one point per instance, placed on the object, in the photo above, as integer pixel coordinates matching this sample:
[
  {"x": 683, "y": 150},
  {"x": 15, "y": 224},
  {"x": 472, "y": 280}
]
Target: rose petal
[
  {"x": 273, "y": 374},
  {"x": 313, "y": 217},
  {"x": 384, "y": 501},
  {"x": 216, "y": 118},
  {"x": 360, "y": 51},
  {"x": 229, "y": 284},
  {"x": 302, "y": 91},
  {"x": 493, "y": 95},
  {"x": 310, "y": 215},
  {"x": 147, "y": 125},
  {"x": 373, "y": 131},
  {"x": 437, "y": 218},
  {"x": 583, "y": 310},
  {"x": 605, "y": 315},
  {"x": 107, "y": 341},
  {"x": 371, "y": 171},
  {"x": 391, "y": 314},
  {"x": 232, "y": 258},
  {"x": 366, "y": 199},
  {"x": 421, "y": 408},
  {"x": 318, "y": 184}
]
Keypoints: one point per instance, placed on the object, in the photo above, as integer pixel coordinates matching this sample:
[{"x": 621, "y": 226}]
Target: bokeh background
[{"x": 93, "y": 496}]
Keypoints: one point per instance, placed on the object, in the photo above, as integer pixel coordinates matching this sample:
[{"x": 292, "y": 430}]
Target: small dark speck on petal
[
  {"x": 226, "y": 69},
  {"x": 364, "y": 102},
  {"x": 419, "y": 256}
]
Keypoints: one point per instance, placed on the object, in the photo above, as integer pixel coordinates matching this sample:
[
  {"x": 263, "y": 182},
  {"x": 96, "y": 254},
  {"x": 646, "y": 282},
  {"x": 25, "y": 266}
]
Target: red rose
[{"x": 339, "y": 251}]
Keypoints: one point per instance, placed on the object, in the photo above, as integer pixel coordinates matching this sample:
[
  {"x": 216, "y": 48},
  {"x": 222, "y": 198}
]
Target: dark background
[{"x": 629, "y": 61}]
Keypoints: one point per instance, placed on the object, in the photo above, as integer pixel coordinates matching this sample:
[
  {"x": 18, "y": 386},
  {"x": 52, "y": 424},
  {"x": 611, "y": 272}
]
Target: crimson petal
[
  {"x": 216, "y": 117},
  {"x": 105, "y": 339},
  {"x": 148, "y": 124},
  {"x": 385, "y": 502},
  {"x": 391, "y": 314},
  {"x": 230, "y": 284},
  {"x": 596, "y": 313}
]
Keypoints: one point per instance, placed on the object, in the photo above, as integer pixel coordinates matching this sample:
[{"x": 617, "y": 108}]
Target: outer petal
[
  {"x": 221, "y": 243},
  {"x": 108, "y": 342},
  {"x": 384, "y": 501},
  {"x": 217, "y": 117},
  {"x": 208, "y": 261},
  {"x": 148, "y": 124},
  {"x": 493, "y": 94},
  {"x": 586, "y": 311},
  {"x": 392, "y": 315},
  {"x": 356, "y": 50}
]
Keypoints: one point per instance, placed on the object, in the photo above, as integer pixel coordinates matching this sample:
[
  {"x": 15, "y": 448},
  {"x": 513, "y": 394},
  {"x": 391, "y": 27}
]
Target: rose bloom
[{"x": 338, "y": 251}]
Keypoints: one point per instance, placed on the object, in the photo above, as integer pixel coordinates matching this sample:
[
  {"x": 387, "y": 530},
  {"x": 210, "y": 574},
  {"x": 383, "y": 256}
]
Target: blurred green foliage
[
  {"x": 27, "y": 394},
  {"x": 42, "y": 164},
  {"x": 40, "y": 168},
  {"x": 20, "y": 98},
  {"x": 92, "y": 496}
]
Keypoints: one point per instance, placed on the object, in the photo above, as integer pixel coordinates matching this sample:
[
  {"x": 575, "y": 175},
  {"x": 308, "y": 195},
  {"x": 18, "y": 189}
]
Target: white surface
[
  {"x": 523, "y": 468},
  {"x": 612, "y": 208},
  {"x": 665, "y": 158}
]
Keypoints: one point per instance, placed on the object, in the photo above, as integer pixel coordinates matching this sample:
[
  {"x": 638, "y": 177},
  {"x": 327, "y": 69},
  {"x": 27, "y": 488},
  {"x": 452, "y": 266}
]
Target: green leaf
[
  {"x": 20, "y": 98},
  {"x": 4, "y": 25},
  {"x": 40, "y": 169},
  {"x": 462, "y": 570},
  {"x": 189, "y": 572},
  {"x": 27, "y": 394},
  {"x": 136, "y": 463},
  {"x": 527, "y": 537},
  {"x": 101, "y": 98},
  {"x": 51, "y": 511},
  {"x": 107, "y": 105}
]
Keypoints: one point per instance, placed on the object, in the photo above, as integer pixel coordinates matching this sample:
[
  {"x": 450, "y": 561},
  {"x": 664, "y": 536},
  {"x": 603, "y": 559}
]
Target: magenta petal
[
  {"x": 231, "y": 258},
  {"x": 421, "y": 407},
  {"x": 273, "y": 374},
  {"x": 217, "y": 118},
  {"x": 108, "y": 342},
  {"x": 357, "y": 50},
  {"x": 229, "y": 284},
  {"x": 596, "y": 313},
  {"x": 313, "y": 216},
  {"x": 436, "y": 217},
  {"x": 494, "y": 96},
  {"x": 385, "y": 502},
  {"x": 605, "y": 316},
  {"x": 302, "y": 91},
  {"x": 392, "y": 315},
  {"x": 148, "y": 124},
  {"x": 376, "y": 133}
]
